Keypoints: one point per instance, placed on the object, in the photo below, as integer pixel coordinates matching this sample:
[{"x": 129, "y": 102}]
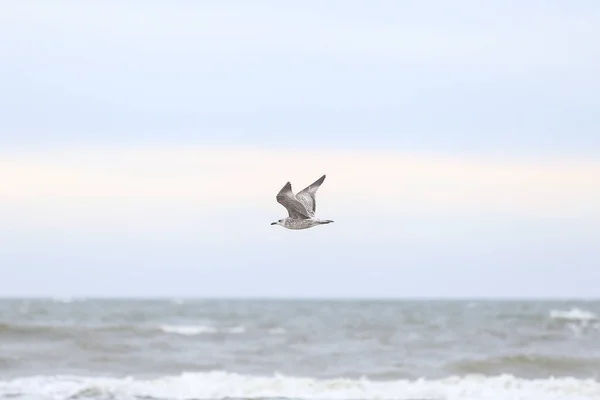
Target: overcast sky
[{"x": 142, "y": 144}]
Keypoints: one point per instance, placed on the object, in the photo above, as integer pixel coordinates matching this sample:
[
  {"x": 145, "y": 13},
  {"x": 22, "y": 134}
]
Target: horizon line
[{"x": 301, "y": 298}]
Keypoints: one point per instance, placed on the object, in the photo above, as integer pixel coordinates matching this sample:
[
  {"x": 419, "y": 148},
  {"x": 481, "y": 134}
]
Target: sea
[{"x": 159, "y": 349}]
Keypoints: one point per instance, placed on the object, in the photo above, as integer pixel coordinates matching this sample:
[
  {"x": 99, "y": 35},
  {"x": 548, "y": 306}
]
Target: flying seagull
[{"x": 300, "y": 206}]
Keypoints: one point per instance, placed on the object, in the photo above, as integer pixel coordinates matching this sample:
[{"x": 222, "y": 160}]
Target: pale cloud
[{"x": 109, "y": 185}]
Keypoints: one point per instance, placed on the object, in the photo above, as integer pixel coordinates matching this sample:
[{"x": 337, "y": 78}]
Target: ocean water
[{"x": 200, "y": 349}]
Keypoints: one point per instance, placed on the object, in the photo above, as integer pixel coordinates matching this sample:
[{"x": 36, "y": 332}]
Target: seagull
[{"x": 300, "y": 206}]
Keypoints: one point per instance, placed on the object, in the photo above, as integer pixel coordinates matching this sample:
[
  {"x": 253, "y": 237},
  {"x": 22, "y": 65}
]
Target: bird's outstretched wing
[
  {"x": 286, "y": 198},
  {"x": 307, "y": 196}
]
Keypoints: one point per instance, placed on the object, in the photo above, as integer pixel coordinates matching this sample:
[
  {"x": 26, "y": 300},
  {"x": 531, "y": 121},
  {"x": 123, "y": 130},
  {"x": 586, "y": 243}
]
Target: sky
[{"x": 142, "y": 144}]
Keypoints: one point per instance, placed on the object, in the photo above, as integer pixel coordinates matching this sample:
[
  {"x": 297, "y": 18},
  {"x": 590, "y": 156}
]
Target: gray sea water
[{"x": 192, "y": 349}]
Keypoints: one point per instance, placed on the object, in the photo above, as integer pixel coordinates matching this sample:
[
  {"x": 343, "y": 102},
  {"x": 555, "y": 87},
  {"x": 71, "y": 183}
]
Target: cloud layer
[{"x": 180, "y": 180}]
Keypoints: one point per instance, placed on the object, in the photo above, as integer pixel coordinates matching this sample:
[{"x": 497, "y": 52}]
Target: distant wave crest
[
  {"x": 65, "y": 329},
  {"x": 188, "y": 330},
  {"x": 221, "y": 385},
  {"x": 193, "y": 330},
  {"x": 574, "y": 314}
]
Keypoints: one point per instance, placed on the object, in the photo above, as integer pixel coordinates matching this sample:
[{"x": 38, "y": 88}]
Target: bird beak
[{"x": 273, "y": 223}]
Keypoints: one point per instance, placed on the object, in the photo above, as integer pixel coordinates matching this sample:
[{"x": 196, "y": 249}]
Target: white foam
[
  {"x": 188, "y": 330},
  {"x": 193, "y": 330},
  {"x": 574, "y": 314},
  {"x": 220, "y": 385}
]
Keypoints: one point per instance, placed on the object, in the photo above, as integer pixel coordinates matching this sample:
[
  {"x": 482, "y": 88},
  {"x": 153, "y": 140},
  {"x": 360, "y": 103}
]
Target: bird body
[
  {"x": 292, "y": 223},
  {"x": 301, "y": 206}
]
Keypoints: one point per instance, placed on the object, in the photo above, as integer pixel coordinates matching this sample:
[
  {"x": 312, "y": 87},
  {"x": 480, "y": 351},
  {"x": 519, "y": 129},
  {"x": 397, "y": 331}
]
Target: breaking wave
[
  {"x": 188, "y": 330},
  {"x": 574, "y": 314},
  {"x": 221, "y": 385},
  {"x": 193, "y": 330}
]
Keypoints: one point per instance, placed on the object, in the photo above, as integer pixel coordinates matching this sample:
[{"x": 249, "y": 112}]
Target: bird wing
[
  {"x": 286, "y": 198},
  {"x": 307, "y": 196}
]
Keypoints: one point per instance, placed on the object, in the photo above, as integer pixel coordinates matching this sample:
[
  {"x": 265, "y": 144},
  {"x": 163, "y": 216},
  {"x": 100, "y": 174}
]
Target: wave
[
  {"x": 67, "y": 329},
  {"x": 30, "y": 328},
  {"x": 221, "y": 385},
  {"x": 193, "y": 330},
  {"x": 64, "y": 328},
  {"x": 574, "y": 314},
  {"x": 187, "y": 330},
  {"x": 526, "y": 362}
]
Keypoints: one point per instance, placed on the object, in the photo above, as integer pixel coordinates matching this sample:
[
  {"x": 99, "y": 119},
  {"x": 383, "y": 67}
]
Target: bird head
[{"x": 280, "y": 222}]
